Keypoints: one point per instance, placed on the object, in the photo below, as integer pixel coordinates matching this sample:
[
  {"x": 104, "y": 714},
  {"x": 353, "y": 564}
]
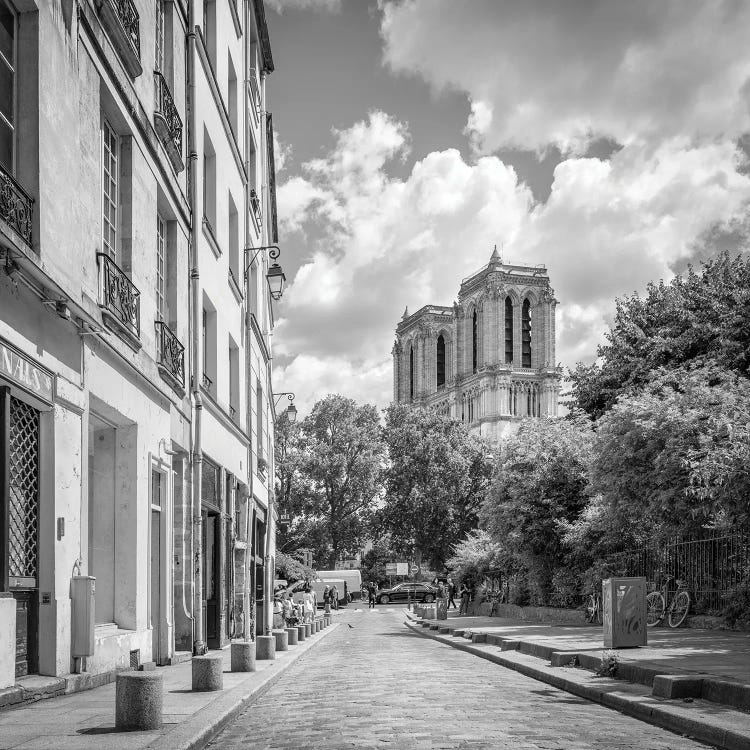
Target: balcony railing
[
  {"x": 122, "y": 22},
  {"x": 206, "y": 382},
  {"x": 254, "y": 93},
  {"x": 119, "y": 298},
  {"x": 15, "y": 206},
  {"x": 255, "y": 205},
  {"x": 171, "y": 355},
  {"x": 167, "y": 121}
]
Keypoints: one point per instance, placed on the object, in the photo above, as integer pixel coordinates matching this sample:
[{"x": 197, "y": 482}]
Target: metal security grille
[{"x": 23, "y": 519}]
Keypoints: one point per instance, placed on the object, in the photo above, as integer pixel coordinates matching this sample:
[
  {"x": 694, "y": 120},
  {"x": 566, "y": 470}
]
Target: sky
[{"x": 608, "y": 140}]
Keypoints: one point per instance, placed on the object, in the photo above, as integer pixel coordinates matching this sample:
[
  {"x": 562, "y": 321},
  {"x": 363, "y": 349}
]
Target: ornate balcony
[
  {"x": 16, "y": 207},
  {"x": 170, "y": 356},
  {"x": 121, "y": 20},
  {"x": 119, "y": 300},
  {"x": 167, "y": 121},
  {"x": 206, "y": 382},
  {"x": 255, "y": 205}
]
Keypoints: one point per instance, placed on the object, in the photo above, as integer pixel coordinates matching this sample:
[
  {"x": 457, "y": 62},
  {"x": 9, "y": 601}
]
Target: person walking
[
  {"x": 286, "y": 608},
  {"x": 327, "y": 599},
  {"x": 308, "y": 605},
  {"x": 334, "y": 597},
  {"x": 451, "y": 593},
  {"x": 372, "y": 592},
  {"x": 463, "y": 592}
]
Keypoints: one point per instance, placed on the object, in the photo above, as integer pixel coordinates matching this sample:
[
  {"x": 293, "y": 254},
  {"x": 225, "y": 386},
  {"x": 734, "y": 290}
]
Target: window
[
  {"x": 411, "y": 373},
  {"x": 232, "y": 96},
  {"x": 526, "y": 334},
  {"x": 209, "y": 30},
  {"x": 209, "y": 181},
  {"x": 160, "y": 54},
  {"x": 209, "y": 345},
  {"x": 110, "y": 186},
  {"x": 474, "y": 342},
  {"x": 234, "y": 378},
  {"x": 161, "y": 268},
  {"x": 234, "y": 242},
  {"x": 440, "y": 361},
  {"x": 508, "y": 330},
  {"x": 259, "y": 417},
  {"x": 7, "y": 85}
]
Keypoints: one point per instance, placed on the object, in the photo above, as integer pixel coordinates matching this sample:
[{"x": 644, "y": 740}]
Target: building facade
[
  {"x": 134, "y": 182},
  {"x": 489, "y": 360}
]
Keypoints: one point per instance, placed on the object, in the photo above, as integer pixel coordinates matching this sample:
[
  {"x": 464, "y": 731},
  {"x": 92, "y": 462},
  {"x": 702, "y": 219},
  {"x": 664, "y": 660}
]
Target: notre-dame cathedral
[{"x": 489, "y": 360}]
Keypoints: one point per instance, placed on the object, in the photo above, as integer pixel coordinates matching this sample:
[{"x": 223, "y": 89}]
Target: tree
[
  {"x": 701, "y": 317},
  {"x": 435, "y": 481},
  {"x": 330, "y": 473},
  {"x": 290, "y": 568},
  {"x": 539, "y": 484},
  {"x": 476, "y": 555}
]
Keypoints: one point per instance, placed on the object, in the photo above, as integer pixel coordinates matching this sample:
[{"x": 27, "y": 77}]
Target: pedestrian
[
  {"x": 287, "y": 607},
  {"x": 327, "y": 599},
  {"x": 463, "y": 592},
  {"x": 277, "y": 611},
  {"x": 308, "y": 605},
  {"x": 441, "y": 590},
  {"x": 451, "y": 593},
  {"x": 334, "y": 597},
  {"x": 372, "y": 592}
]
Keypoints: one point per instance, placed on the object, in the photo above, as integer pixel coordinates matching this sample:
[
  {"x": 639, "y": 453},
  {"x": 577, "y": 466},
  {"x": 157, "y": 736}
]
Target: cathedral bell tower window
[
  {"x": 411, "y": 373},
  {"x": 508, "y": 330},
  {"x": 526, "y": 334},
  {"x": 440, "y": 361},
  {"x": 474, "y": 342}
]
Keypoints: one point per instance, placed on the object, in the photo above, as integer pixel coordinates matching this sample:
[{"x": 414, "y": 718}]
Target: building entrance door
[
  {"x": 211, "y": 586},
  {"x": 19, "y": 516},
  {"x": 157, "y": 486}
]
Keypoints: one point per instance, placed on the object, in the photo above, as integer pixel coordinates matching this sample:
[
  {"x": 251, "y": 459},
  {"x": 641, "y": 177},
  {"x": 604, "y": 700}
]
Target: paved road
[{"x": 379, "y": 685}]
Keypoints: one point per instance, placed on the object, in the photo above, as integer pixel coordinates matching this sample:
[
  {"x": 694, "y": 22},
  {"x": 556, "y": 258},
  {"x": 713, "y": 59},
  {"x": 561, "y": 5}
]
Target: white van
[{"x": 353, "y": 580}]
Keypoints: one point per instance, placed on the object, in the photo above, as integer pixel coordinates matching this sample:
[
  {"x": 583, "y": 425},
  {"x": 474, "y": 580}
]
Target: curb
[
  {"x": 197, "y": 731},
  {"x": 636, "y": 703}
]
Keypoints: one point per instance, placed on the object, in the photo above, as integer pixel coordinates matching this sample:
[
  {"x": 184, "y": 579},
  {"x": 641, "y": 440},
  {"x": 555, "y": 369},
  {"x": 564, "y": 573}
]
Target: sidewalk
[
  {"x": 696, "y": 682},
  {"x": 86, "y": 720}
]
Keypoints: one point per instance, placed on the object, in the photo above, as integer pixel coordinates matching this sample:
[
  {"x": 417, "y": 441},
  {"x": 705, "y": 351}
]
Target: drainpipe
[{"x": 196, "y": 353}]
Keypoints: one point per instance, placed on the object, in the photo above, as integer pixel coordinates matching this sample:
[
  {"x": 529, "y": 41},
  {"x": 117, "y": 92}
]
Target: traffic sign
[{"x": 414, "y": 569}]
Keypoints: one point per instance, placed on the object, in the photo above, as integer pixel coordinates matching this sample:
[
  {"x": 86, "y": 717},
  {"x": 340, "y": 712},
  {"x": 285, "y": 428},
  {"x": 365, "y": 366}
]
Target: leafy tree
[
  {"x": 539, "y": 485},
  {"x": 701, "y": 317},
  {"x": 435, "y": 481},
  {"x": 290, "y": 568},
  {"x": 478, "y": 554},
  {"x": 328, "y": 476}
]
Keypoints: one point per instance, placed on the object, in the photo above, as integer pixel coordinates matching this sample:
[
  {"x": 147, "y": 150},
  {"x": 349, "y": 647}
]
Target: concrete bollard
[
  {"x": 308, "y": 629},
  {"x": 316, "y": 624},
  {"x": 327, "y": 620},
  {"x": 301, "y": 632},
  {"x": 243, "y": 656},
  {"x": 292, "y": 636},
  {"x": 265, "y": 647},
  {"x": 282, "y": 640},
  {"x": 208, "y": 673},
  {"x": 138, "y": 701}
]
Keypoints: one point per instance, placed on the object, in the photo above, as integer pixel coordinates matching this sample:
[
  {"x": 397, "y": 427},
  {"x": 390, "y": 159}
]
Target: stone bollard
[
  {"x": 308, "y": 629},
  {"x": 301, "y": 632},
  {"x": 292, "y": 635},
  {"x": 282, "y": 640},
  {"x": 208, "y": 672},
  {"x": 265, "y": 647},
  {"x": 243, "y": 656},
  {"x": 327, "y": 620},
  {"x": 317, "y": 626},
  {"x": 138, "y": 701}
]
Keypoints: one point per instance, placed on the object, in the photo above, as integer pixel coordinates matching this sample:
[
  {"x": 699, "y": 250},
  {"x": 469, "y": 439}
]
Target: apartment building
[{"x": 131, "y": 387}]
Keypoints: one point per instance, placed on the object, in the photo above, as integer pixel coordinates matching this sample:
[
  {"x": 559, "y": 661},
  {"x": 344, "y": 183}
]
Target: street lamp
[
  {"x": 291, "y": 410},
  {"x": 275, "y": 275}
]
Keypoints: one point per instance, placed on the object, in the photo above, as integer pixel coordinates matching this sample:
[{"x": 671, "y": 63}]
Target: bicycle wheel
[
  {"x": 591, "y": 609},
  {"x": 679, "y": 609},
  {"x": 655, "y": 606}
]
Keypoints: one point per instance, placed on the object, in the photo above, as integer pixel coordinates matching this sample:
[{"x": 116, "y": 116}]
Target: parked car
[{"x": 402, "y": 592}]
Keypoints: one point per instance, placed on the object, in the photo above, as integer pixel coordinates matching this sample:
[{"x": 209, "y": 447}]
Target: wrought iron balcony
[
  {"x": 121, "y": 20},
  {"x": 167, "y": 121},
  {"x": 255, "y": 205},
  {"x": 119, "y": 299},
  {"x": 171, "y": 355},
  {"x": 207, "y": 382},
  {"x": 15, "y": 206}
]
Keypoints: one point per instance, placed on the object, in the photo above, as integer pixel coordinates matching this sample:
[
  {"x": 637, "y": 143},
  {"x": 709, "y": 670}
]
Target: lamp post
[
  {"x": 291, "y": 410},
  {"x": 275, "y": 275}
]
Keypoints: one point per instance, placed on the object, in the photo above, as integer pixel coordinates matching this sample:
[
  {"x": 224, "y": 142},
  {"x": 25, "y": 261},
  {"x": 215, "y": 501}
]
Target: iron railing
[
  {"x": 165, "y": 107},
  {"x": 16, "y": 206},
  {"x": 130, "y": 20},
  {"x": 171, "y": 353},
  {"x": 118, "y": 295},
  {"x": 255, "y": 205},
  {"x": 206, "y": 382},
  {"x": 711, "y": 567}
]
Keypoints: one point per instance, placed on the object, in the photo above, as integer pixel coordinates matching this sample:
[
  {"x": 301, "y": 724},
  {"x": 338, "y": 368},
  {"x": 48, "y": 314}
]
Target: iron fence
[{"x": 712, "y": 567}]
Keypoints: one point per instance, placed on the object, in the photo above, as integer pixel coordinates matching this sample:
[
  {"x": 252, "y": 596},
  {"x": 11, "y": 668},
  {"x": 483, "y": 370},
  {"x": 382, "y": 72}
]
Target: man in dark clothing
[
  {"x": 451, "y": 593},
  {"x": 372, "y": 591}
]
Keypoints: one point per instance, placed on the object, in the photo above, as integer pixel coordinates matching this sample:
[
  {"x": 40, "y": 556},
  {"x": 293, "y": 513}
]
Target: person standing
[
  {"x": 451, "y": 593},
  {"x": 372, "y": 592},
  {"x": 327, "y": 599},
  {"x": 463, "y": 592},
  {"x": 308, "y": 606},
  {"x": 334, "y": 597}
]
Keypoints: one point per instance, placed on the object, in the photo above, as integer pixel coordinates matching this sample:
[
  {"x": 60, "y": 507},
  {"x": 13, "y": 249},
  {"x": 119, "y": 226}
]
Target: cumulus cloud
[
  {"x": 538, "y": 73},
  {"x": 608, "y": 227}
]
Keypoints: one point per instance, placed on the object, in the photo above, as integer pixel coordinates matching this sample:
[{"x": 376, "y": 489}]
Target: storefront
[{"x": 26, "y": 394}]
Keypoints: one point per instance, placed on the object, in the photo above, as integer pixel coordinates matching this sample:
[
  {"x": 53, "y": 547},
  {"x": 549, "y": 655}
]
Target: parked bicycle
[
  {"x": 594, "y": 608},
  {"x": 658, "y": 603}
]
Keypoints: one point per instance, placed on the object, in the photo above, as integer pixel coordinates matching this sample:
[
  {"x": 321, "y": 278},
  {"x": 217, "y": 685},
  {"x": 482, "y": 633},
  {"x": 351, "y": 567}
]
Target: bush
[
  {"x": 737, "y": 609},
  {"x": 566, "y": 589},
  {"x": 518, "y": 590}
]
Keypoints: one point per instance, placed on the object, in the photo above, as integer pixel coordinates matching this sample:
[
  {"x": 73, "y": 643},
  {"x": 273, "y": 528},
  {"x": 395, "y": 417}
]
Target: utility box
[
  {"x": 624, "y": 612},
  {"x": 83, "y": 611}
]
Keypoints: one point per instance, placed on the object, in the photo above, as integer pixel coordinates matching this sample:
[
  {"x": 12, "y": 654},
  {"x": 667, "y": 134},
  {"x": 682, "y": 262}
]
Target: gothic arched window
[
  {"x": 508, "y": 330},
  {"x": 411, "y": 373},
  {"x": 440, "y": 361},
  {"x": 526, "y": 334},
  {"x": 474, "y": 342}
]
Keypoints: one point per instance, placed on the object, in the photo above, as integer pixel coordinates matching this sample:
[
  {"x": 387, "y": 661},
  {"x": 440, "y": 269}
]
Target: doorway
[
  {"x": 157, "y": 545},
  {"x": 211, "y": 587}
]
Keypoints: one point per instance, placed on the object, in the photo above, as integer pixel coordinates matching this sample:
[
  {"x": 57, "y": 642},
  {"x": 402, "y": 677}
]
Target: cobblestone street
[{"x": 378, "y": 685}]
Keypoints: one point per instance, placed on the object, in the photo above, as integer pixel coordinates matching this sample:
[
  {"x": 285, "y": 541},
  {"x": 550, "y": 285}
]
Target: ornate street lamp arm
[{"x": 273, "y": 253}]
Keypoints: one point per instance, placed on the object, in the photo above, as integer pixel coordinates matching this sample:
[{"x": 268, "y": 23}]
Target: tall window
[
  {"x": 411, "y": 373},
  {"x": 259, "y": 417},
  {"x": 110, "y": 186},
  {"x": 440, "y": 361},
  {"x": 234, "y": 241},
  {"x": 474, "y": 342},
  {"x": 160, "y": 46},
  {"x": 161, "y": 268},
  {"x": 209, "y": 30},
  {"x": 526, "y": 334},
  {"x": 508, "y": 330},
  {"x": 209, "y": 181},
  {"x": 204, "y": 340},
  {"x": 232, "y": 96},
  {"x": 7, "y": 84}
]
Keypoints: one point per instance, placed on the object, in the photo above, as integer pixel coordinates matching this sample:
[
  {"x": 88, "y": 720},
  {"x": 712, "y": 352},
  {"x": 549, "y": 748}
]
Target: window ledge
[
  {"x": 208, "y": 233},
  {"x": 235, "y": 287}
]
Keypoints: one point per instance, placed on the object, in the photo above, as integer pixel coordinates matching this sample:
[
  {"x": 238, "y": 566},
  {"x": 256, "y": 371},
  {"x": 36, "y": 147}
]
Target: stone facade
[{"x": 489, "y": 360}]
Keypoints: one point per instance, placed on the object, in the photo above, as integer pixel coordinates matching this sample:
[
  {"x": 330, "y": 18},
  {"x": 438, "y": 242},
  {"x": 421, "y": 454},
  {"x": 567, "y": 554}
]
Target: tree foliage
[{"x": 435, "y": 480}]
